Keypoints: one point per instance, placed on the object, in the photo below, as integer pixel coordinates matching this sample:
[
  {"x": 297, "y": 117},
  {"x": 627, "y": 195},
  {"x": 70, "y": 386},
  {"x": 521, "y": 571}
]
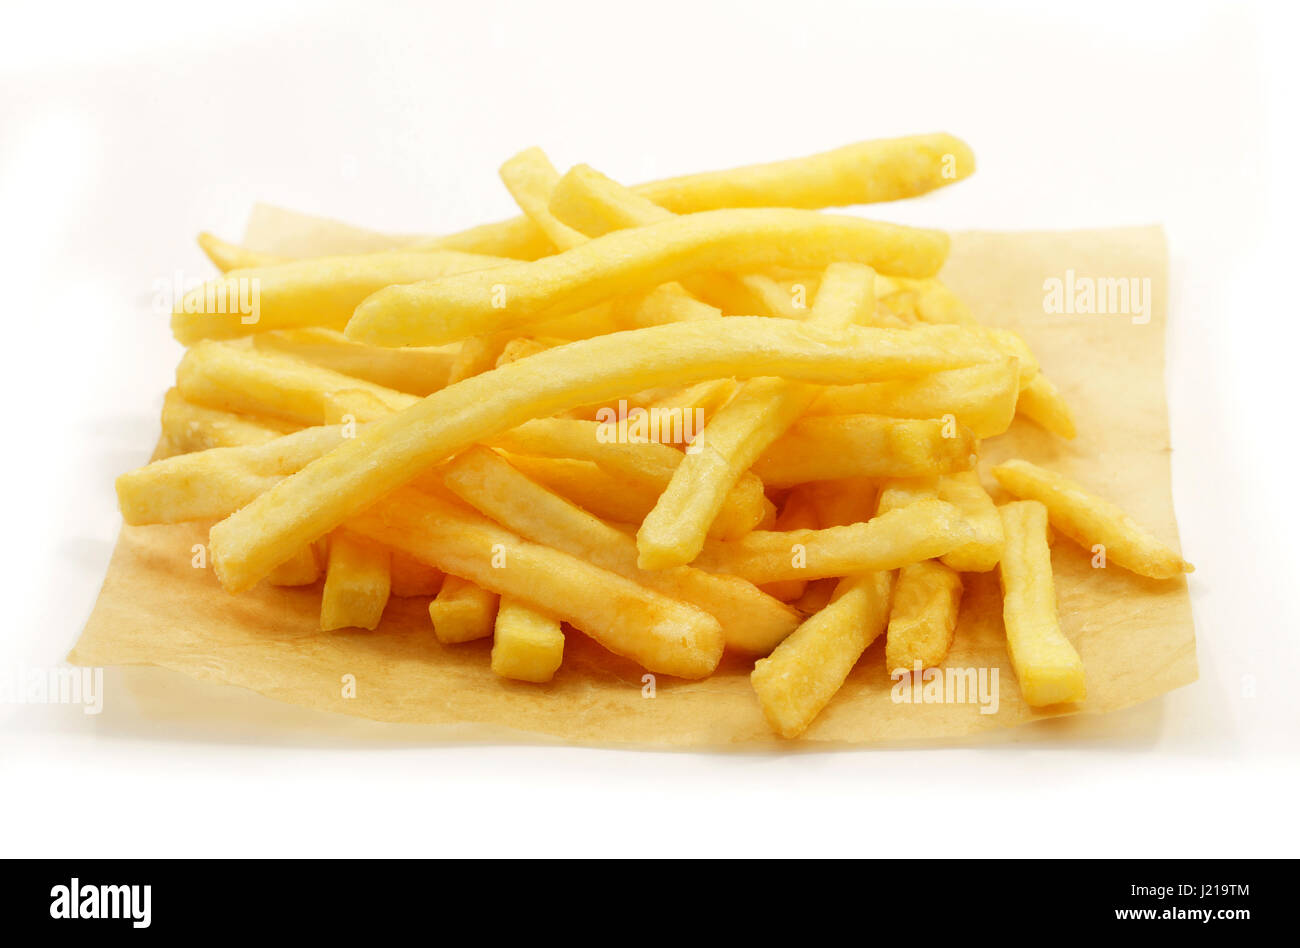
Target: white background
[{"x": 127, "y": 128}]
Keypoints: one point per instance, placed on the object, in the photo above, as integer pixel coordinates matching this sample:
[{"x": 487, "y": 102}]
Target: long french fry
[
  {"x": 320, "y": 292},
  {"x": 826, "y": 447},
  {"x": 920, "y": 531},
  {"x": 751, "y": 621},
  {"x": 633, "y": 261},
  {"x": 188, "y": 427},
  {"x": 357, "y": 583},
  {"x": 530, "y": 178},
  {"x": 1046, "y": 664},
  {"x": 799, "y": 679},
  {"x": 1091, "y": 521},
  {"x": 527, "y": 645},
  {"x": 414, "y": 370},
  {"x": 388, "y": 453},
  {"x": 660, "y": 634}
]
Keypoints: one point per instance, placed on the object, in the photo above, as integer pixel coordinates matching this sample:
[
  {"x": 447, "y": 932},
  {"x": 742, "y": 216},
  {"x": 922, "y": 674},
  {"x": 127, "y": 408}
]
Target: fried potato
[
  {"x": 531, "y": 178},
  {"x": 920, "y": 531},
  {"x": 410, "y": 578},
  {"x": 188, "y": 427},
  {"x": 923, "y": 617},
  {"x": 415, "y": 370},
  {"x": 965, "y": 492},
  {"x": 796, "y": 513},
  {"x": 633, "y": 261},
  {"x": 462, "y": 612},
  {"x": 1091, "y": 521},
  {"x": 357, "y": 583},
  {"x": 799, "y": 679},
  {"x": 228, "y": 256},
  {"x": 661, "y": 634},
  {"x": 303, "y": 568},
  {"x": 527, "y": 645},
  {"x": 1041, "y": 402},
  {"x": 1045, "y": 662},
  {"x": 830, "y": 447}
]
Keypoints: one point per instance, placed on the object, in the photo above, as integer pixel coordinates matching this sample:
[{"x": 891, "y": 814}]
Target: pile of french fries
[{"x": 502, "y": 420}]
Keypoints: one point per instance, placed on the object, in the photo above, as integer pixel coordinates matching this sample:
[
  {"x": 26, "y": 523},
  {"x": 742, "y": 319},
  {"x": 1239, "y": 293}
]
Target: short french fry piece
[
  {"x": 462, "y": 611},
  {"x": 189, "y": 427},
  {"x": 357, "y": 583},
  {"x": 830, "y": 447},
  {"x": 411, "y": 578},
  {"x": 322, "y": 291},
  {"x": 981, "y": 397},
  {"x": 527, "y": 645},
  {"x": 414, "y": 370},
  {"x": 301, "y": 569},
  {"x": 923, "y": 617},
  {"x": 635, "y": 261},
  {"x": 799, "y": 679},
  {"x": 1091, "y": 521},
  {"x": 1041, "y": 402},
  {"x": 661, "y": 634},
  {"x": 389, "y": 453},
  {"x": 920, "y": 531},
  {"x": 240, "y": 379},
  {"x": 751, "y": 621},
  {"x": 1046, "y": 664}
]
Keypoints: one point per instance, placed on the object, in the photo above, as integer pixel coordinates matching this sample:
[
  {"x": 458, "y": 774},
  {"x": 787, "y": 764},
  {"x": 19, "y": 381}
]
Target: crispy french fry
[
  {"x": 218, "y": 481},
  {"x": 1091, "y": 521},
  {"x": 301, "y": 569},
  {"x": 981, "y": 397},
  {"x": 391, "y": 452},
  {"x": 462, "y": 611},
  {"x": 241, "y": 379},
  {"x": 760, "y": 413},
  {"x": 589, "y": 486},
  {"x": 527, "y": 645},
  {"x": 797, "y": 513},
  {"x": 1041, "y": 402},
  {"x": 1045, "y": 662},
  {"x": 530, "y": 178},
  {"x": 827, "y": 447},
  {"x": 661, "y": 634},
  {"x": 634, "y": 261},
  {"x": 228, "y": 256},
  {"x": 698, "y": 402},
  {"x": 189, "y": 427},
  {"x": 751, "y": 621},
  {"x": 920, "y": 531},
  {"x": 357, "y": 583},
  {"x": 410, "y": 578},
  {"x": 799, "y": 679},
  {"x": 923, "y": 617},
  {"x": 322, "y": 291},
  {"x": 414, "y": 370},
  {"x": 965, "y": 492}
]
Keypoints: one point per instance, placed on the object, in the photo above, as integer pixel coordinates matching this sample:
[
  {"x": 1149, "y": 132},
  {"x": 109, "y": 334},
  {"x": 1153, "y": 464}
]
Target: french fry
[
  {"x": 240, "y": 379},
  {"x": 920, "y": 531},
  {"x": 1091, "y": 521},
  {"x": 357, "y": 583},
  {"x": 414, "y": 370},
  {"x": 410, "y": 578},
  {"x": 391, "y": 452},
  {"x": 923, "y": 617},
  {"x": 589, "y": 487},
  {"x": 827, "y": 447},
  {"x": 797, "y": 513},
  {"x": 477, "y": 354},
  {"x": 701, "y": 401},
  {"x": 633, "y": 261},
  {"x": 462, "y": 612},
  {"x": 661, "y": 634},
  {"x": 981, "y": 397},
  {"x": 322, "y": 291},
  {"x": 350, "y": 406},
  {"x": 218, "y": 481},
  {"x": 303, "y": 568},
  {"x": 189, "y": 427},
  {"x": 799, "y": 679},
  {"x": 228, "y": 256},
  {"x": 1045, "y": 662},
  {"x": 530, "y": 178},
  {"x": 965, "y": 492},
  {"x": 751, "y": 621},
  {"x": 521, "y": 347},
  {"x": 1041, "y": 402},
  {"x": 666, "y": 303},
  {"x": 527, "y": 645}
]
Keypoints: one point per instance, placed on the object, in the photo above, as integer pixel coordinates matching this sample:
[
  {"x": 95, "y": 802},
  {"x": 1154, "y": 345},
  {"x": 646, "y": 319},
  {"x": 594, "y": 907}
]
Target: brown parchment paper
[{"x": 1135, "y": 635}]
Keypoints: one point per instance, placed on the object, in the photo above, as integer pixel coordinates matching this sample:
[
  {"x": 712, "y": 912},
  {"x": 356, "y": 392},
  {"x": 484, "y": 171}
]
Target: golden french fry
[
  {"x": 1045, "y": 662},
  {"x": 414, "y": 370},
  {"x": 981, "y": 397},
  {"x": 521, "y": 347},
  {"x": 634, "y": 261},
  {"x": 477, "y": 354},
  {"x": 218, "y": 481},
  {"x": 661, "y": 634},
  {"x": 189, "y": 427},
  {"x": 322, "y": 291},
  {"x": 228, "y": 256},
  {"x": 527, "y": 645},
  {"x": 1092, "y": 522},
  {"x": 799, "y": 679},
  {"x": 923, "y": 617},
  {"x": 357, "y": 583},
  {"x": 462, "y": 611},
  {"x": 688, "y": 409},
  {"x": 897, "y": 493},
  {"x": 826, "y": 447},
  {"x": 797, "y": 513},
  {"x": 1041, "y": 402},
  {"x": 589, "y": 486},
  {"x": 300, "y": 569},
  {"x": 351, "y": 407},
  {"x": 666, "y": 303},
  {"x": 531, "y": 178},
  {"x": 410, "y": 578},
  {"x": 674, "y": 532},
  {"x": 389, "y": 453},
  {"x": 965, "y": 492},
  {"x": 241, "y": 379},
  {"x": 919, "y": 531},
  {"x": 751, "y": 621}
]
